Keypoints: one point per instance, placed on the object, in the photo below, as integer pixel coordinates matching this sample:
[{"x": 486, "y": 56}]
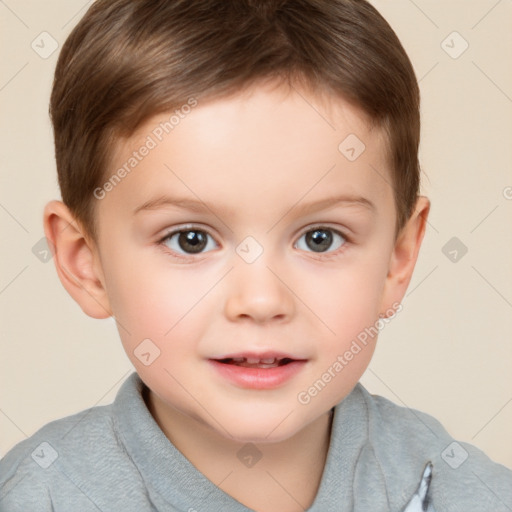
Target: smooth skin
[{"x": 257, "y": 159}]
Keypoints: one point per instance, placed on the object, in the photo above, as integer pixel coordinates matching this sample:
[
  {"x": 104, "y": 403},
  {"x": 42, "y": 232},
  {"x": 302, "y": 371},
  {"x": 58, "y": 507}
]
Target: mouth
[
  {"x": 256, "y": 362},
  {"x": 258, "y": 371}
]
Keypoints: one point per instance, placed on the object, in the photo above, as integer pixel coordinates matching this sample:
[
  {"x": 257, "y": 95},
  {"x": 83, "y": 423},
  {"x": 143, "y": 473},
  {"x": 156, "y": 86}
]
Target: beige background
[{"x": 449, "y": 353}]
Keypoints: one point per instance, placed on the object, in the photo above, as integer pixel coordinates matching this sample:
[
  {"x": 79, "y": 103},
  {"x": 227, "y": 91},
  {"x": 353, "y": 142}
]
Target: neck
[{"x": 286, "y": 477}]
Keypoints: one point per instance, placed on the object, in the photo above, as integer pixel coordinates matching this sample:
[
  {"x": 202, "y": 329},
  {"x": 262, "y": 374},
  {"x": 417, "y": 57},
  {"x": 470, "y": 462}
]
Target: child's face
[{"x": 251, "y": 170}]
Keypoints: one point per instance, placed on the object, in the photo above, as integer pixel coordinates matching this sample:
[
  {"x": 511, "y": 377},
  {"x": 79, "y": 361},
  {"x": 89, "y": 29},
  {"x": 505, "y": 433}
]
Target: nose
[{"x": 258, "y": 293}]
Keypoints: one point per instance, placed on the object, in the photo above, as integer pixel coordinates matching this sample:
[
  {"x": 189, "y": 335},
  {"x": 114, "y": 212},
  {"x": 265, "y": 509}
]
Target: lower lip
[{"x": 258, "y": 378}]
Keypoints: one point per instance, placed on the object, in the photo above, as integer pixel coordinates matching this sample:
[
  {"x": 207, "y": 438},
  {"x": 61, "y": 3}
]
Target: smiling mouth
[
  {"x": 258, "y": 371},
  {"x": 245, "y": 362}
]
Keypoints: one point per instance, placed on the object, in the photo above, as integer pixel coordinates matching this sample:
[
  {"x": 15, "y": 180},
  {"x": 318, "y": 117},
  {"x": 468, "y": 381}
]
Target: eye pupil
[
  {"x": 321, "y": 239},
  {"x": 192, "y": 241}
]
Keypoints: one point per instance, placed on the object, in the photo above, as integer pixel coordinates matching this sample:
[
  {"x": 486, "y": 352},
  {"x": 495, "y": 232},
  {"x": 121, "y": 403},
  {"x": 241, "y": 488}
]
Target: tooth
[
  {"x": 252, "y": 360},
  {"x": 238, "y": 359},
  {"x": 269, "y": 360}
]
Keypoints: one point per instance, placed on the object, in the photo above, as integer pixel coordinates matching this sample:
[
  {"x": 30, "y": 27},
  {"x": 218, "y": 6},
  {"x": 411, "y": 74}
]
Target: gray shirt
[{"x": 116, "y": 458}]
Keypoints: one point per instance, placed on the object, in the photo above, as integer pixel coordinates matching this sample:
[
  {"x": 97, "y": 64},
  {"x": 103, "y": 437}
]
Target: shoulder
[
  {"x": 80, "y": 462},
  {"x": 34, "y": 466},
  {"x": 403, "y": 440}
]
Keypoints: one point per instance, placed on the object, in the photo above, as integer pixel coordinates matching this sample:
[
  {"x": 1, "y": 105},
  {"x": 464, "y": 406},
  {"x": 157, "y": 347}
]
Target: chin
[
  {"x": 261, "y": 426},
  {"x": 264, "y": 435}
]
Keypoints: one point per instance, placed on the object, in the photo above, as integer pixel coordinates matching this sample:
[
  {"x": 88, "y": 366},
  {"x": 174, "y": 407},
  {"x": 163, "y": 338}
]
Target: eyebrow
[{"x": 199, "y": 206}]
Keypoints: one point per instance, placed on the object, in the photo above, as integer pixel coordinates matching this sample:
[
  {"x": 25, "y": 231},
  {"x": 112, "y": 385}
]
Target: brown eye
[
  {"x": 321, "y": 240},
  {"x": 192, "y": 241}
]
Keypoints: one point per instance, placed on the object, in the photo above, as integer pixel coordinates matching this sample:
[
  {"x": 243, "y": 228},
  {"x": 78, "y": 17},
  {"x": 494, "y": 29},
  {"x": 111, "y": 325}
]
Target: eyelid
[
  {"x": 191, "y": 227},
  {"x": 325, "y": 226},
  {"x": 198, "y": 227},
  {"x": 186, "y": 227}
]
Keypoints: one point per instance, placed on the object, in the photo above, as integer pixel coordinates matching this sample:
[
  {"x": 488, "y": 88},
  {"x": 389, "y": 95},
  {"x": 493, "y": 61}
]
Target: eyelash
[{"x": 319, "y": 255}]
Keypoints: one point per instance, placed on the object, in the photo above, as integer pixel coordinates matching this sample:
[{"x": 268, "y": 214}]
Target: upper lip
[{"x": 259, "y": 356}]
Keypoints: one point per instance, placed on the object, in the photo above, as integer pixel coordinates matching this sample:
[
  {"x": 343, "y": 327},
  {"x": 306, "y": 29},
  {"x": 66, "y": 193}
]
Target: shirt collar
[{"x": 168, "y": 475}]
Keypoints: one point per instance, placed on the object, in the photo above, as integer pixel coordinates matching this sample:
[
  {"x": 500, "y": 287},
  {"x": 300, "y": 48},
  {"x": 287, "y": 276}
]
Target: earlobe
[
  {"x": 76, "y": 260},
  {"x": 405, "y": 254}
]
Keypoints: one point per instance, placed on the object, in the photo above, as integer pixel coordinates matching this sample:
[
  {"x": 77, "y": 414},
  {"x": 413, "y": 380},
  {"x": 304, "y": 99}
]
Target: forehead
[{"x": 266, "y": 145}]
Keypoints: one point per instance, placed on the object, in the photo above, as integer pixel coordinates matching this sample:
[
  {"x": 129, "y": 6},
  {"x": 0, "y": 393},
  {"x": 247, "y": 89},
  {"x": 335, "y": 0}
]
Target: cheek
[
  {"x": 151, "y": 301},
  {"x": 348, "y": 300}
]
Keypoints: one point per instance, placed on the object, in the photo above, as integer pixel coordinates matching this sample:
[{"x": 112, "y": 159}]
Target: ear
[
  {"x": 76, "y": 260},
  {"x": 404, "y": 256}
]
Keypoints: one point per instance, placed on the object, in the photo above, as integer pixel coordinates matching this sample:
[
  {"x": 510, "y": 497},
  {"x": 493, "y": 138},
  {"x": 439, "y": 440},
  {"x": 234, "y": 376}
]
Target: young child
[{"x": 240, "y": 187}]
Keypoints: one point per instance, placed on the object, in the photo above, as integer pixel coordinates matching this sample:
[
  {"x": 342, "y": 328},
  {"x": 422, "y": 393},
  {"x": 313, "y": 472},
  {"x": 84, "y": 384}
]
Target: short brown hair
[{"x": 128, "y": 60}]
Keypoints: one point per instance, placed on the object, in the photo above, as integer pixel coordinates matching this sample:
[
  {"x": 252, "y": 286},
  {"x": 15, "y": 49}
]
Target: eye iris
[
  {"x": 321, "y": 239},
  {"x": 192, "y": 241}
]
